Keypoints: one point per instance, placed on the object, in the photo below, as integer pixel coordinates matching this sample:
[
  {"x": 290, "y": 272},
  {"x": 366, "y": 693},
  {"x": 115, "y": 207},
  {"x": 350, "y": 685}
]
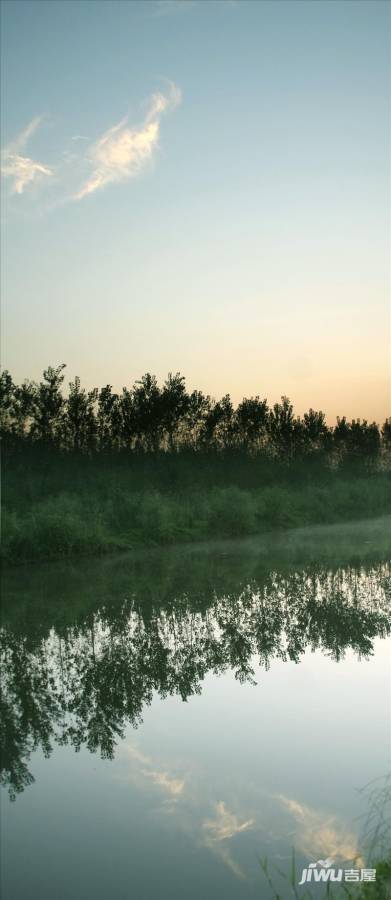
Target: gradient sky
[{"x": 202, "y": 187}]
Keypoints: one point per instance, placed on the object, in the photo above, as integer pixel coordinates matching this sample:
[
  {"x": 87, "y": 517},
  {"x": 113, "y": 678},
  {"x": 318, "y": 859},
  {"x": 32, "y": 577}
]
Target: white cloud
[
  {"x": 217, "y": 831},
  {"x": 22, "y": 169},
  {"x": 320, "y": 834},
  {"x": 24, "y": 135},
  {"x": 184, "y": 807},
  {"x": 173, "y": 786},
  {"x": 122, "y": 151},
  {"x": 226, "y": 824}
]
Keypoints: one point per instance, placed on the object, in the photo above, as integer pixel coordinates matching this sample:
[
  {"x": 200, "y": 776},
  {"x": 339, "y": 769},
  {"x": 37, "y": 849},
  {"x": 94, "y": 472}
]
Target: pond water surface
[{"x": 171, "y": 717}]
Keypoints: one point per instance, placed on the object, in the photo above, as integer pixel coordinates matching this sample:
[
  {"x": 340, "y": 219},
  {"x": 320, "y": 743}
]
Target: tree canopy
[{"x": 149, "y": 417}]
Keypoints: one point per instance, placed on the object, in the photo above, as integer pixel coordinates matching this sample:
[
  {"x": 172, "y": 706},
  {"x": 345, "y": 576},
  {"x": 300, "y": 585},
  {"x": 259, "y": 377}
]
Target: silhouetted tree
[
  {"x": 251, "y": 418},
  {"x": 109, "y": 419},
  {"x": 316, "y": 433},
  {"x": 148, "y": 412},
  {"x": 24, "y": 408},
  {"x": 218, "y": 426},
  {"x": 281, "y": 427},
  {"x": 174, "y": 404},
  {"x": 7, "y": 399},
  {"x": 131, "y": 427},
  {"x": 386, "y": 434},
  {"x": 198, "y": 407},
  {"x": 364, "y": 440},
  {"x": 356, "y": 440},
  {"x": 16, "y": 406},
  {"x": 79, "y": 417},
  {"x": 149, "y": 418},
  {"x": 341, "y": 436},
  {"x": 48, "y": 406}
]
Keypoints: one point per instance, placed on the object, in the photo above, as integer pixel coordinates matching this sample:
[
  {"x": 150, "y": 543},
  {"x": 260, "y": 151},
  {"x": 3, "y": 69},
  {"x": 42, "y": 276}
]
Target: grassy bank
[{"x": 58, "y": 508}]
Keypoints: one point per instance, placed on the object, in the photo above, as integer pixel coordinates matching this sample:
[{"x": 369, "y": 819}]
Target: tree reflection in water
[{"x": 84, "y": 648}]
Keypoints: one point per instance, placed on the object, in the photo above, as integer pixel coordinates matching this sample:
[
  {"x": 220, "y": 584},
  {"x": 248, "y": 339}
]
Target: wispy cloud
[
  {"x": 217, "y": 831},
  {"x": 121, "y": 152},
  {"x": 173, "y": 786},
  {"x": 319, "y": 834},
  {"x": 22, "y": 169},
  {"x": 183, "y": 806},
  {"x": 25, "y": 135},
  {"x": 118, "y": 154},
  {"x": 226, "y": 824}
]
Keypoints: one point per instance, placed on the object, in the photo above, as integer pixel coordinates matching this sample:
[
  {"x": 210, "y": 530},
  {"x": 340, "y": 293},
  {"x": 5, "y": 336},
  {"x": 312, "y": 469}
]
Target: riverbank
[{"x": 105, "y": 515}]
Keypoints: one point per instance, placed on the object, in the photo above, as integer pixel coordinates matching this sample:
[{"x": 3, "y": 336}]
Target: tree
[
  {"x": 356, "y": 440},
  {"x": 24, "y": 408},
  {"x": 48, "y": 406},
  {"x": 364, "y": 440},
  {"x": 197, "y": 410},
  {"x": 148, "y": 412},
  {"x": 281, "y": 427},
  {"x": 79, "y": 417},
  {"x": 251, "y": 419},
  {"x": 217, "y": 429},
  {"x": 16, "y": 407},
  {"x": 109, "y": 420},
  {"x": 151, "y": 418},
  {"x": 7, "y": 400},
  {"x": 386, "y": 434},
  {"x": 341, "y": 436},
  {"x": 315, "y": 431},
  {"x": 174, "y": 405}
]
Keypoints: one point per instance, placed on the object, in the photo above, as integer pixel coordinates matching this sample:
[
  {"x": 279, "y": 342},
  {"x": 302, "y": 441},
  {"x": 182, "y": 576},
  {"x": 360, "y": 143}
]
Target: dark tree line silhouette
[{"x": 151, "y": 418}]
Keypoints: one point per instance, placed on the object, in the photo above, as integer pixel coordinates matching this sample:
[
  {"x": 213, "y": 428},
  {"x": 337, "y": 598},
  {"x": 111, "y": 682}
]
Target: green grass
[{"x": 60, "y": 509}]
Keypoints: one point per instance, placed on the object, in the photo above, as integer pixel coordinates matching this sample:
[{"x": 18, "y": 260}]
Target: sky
[{"x": 200, "y": 187}]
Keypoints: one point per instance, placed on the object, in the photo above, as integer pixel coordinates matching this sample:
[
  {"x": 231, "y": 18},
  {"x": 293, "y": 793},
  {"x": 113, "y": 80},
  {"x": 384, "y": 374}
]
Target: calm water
[{"x": 171, "y": 718}]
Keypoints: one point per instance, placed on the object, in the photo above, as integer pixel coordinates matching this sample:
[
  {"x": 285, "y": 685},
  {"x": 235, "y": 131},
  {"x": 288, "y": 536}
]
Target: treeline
[{"x": 150, "y": 418}]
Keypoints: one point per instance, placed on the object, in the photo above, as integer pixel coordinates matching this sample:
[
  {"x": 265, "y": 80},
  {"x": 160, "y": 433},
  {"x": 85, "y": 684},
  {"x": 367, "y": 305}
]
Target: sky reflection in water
[{"x": 280, "y": 649}]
